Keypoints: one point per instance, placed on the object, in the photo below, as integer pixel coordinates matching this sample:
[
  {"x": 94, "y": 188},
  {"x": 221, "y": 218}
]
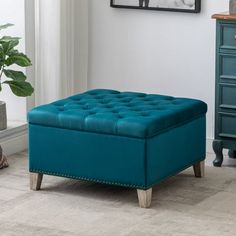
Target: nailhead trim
[{"x": 87, "y": 179}]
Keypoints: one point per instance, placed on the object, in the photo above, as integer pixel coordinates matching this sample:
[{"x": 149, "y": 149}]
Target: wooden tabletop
[{"x": 224, "y": 16}]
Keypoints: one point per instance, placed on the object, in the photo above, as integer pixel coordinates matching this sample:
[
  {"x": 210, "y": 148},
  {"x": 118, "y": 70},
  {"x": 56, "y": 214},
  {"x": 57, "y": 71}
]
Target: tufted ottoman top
[{"x": 118, "y": 113}]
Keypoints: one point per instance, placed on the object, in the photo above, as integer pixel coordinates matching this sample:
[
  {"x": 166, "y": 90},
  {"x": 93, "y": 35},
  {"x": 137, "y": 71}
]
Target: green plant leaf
[
  {"x": 8, "y": 46},
  {"x": 18, "y": 58},
  {"x": 20, "y": 88},
  {"x": 1, "y": 49},
  {"x": 2, "y": 56},
  {"x": 9, "y": 55},
  {"x": 13, "y": 52},
  {"x": 5, "y": 26},
  {"x": 15, "y": 75},
  {"x": 6, "y": 39}
]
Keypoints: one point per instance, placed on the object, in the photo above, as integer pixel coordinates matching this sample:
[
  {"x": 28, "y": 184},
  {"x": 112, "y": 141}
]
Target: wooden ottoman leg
[
  {"x": 144, "y": 197},
  {"x": 199, "y": 169},
  {"x": 35, "y": 181}
]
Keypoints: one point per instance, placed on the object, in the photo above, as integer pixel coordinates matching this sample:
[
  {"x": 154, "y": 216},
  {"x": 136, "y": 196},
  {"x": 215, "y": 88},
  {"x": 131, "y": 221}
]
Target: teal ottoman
[{"x": 128, "y": 139}]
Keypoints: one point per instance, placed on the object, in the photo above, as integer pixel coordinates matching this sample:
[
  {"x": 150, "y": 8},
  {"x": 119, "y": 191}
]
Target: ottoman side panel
[
  {"x": 87, "y": 156},
  {"x": 175, "y": 150}
]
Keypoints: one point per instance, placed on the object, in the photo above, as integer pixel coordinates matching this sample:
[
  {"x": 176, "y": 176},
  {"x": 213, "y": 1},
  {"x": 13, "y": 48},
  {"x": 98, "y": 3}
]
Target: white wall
[
  {"x": 155, "y": 52},
  {"x": 12, "y": 11}
]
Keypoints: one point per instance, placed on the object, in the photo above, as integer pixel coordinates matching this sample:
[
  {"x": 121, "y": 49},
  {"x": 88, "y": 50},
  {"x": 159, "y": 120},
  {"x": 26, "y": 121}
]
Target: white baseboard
[
  {"x": 14, "y": 140},
  {"x": 15, "y": 145},
  {"x": 209, "y": 145}
]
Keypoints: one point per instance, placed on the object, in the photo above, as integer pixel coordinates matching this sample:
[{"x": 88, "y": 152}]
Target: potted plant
[
  {"x": 232, "y": 7},
  {"x": 16, "y": 80}
]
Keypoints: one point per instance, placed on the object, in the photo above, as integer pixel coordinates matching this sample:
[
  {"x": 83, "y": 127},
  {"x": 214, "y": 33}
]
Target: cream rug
[{"x": 182, "y": 205}]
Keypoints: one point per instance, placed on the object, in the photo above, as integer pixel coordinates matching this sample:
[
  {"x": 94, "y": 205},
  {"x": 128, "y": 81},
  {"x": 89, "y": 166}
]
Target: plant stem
[{"x": 1, "y": 73}]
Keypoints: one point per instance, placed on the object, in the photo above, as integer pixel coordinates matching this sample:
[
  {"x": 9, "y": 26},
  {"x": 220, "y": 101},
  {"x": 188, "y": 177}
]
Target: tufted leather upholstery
[{"x": 118, "y": 113}]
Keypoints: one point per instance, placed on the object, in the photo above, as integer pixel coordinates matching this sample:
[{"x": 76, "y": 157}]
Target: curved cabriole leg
[
  {"x": 218, "y": 149},
  {"x": 232, "y": 154},
  {"x": 144, "y": 197},
  {"x": 199, "y": 169},
  {"x": 35, "y": 181},
  {"x": 140, "y": 3}
]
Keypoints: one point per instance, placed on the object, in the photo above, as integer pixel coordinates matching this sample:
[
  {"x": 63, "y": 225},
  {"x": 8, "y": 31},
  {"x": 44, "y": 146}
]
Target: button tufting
[
  {"x": 142, "y": 95},
  {"x": 136, "y": 109},
  {"x": 109, "y": 111},
  {"x": 145, "y": 114},
  {"x": 152, "y": 103},
  {"x": 176, "y": 102},
  {"x": 57, "y": 105},
  {"x": 92, "y": 112},
  {"x": 75, "y": 98}
]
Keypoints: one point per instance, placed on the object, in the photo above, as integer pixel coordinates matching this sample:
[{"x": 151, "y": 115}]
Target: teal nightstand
[{"x": 225, "y": 87}]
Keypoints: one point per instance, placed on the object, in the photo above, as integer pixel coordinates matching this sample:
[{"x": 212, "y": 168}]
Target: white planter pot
[
  {"x": 3, "y": 116},
  {"x": 232, "y": 7}
]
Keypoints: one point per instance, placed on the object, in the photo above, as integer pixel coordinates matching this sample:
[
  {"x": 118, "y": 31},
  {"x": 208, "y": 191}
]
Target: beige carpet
[{"x": 182, "y": 205}]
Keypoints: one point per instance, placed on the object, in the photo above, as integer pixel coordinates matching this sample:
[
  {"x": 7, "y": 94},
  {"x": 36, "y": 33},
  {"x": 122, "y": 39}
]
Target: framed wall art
[{"x": 191, "y": 6}]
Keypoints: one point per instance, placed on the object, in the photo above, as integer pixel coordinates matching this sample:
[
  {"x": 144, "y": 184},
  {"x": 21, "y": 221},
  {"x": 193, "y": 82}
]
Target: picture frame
[{"x": 188, "y": 6}]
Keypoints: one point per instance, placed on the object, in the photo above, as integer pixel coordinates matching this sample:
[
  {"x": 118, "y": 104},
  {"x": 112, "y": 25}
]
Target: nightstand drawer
[
  {"x": 227, "y": 36},
  {"x": 227, "y": 125},
  {"x": 227, "y": 65},
  {"x": 227, "y": 96}
]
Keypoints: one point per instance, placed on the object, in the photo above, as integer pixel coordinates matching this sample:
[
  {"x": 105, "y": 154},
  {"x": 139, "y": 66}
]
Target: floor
[{"x": 182, "y": 205}]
